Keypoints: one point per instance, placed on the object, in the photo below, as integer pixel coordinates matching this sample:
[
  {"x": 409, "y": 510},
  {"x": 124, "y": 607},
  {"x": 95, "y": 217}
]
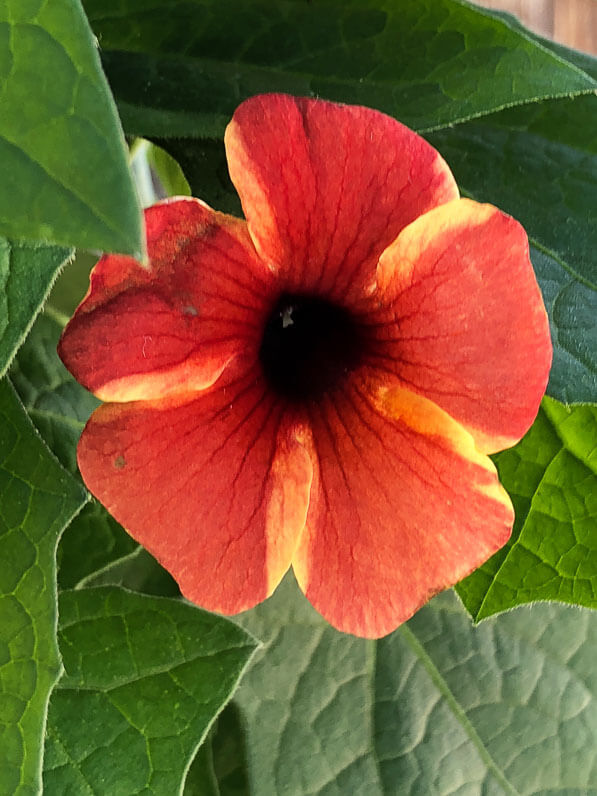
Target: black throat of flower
[{"x": 309, "y": 346}]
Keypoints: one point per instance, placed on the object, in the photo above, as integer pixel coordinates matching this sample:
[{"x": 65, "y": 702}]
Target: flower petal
[
  {"x": 326, "y": 187},
  {"x": 464, "y": 323},
  {"x": 216, "y": 488},
  {"x": 144, "y": 333},
  {"x": 402, "y": 506}
]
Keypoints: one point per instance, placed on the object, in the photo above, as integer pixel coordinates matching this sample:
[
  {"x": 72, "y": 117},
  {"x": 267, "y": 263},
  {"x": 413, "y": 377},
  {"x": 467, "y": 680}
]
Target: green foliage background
[{"x": 109, "y": 682}]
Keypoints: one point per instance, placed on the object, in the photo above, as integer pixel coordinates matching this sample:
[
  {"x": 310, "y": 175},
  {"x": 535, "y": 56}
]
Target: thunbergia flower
[{"x": 319, "y": 385}]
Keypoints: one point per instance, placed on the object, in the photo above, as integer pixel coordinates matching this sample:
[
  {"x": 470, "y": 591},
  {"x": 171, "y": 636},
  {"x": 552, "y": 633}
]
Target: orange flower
[{"x": 319, "y": 385}]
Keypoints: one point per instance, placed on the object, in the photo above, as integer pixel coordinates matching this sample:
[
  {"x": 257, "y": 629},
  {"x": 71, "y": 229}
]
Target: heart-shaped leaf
[
  {"x": 439, "y": 706},
  {"x": 144, "y": 679}
]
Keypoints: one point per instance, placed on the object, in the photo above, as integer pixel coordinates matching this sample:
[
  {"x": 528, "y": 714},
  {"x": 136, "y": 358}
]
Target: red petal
[
  {"x": 217, "y": 488},
  {"x": 402, "y": 506},
  {"x": 325, "y": 187},
  {"x": 143, "y": 333},
  {"x": 465, "y": 324}
]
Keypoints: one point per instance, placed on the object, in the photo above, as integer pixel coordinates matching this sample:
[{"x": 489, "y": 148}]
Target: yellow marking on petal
[
  {"x": 291, "y": 476},
  {"x": 426, "y": 418},
  {"x": 402, "y": 255},
  {"x": 242, "y": 172},
  {"x": 190, "y": 376}
]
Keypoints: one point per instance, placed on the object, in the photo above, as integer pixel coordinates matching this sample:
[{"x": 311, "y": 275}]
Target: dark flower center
[{"x": 308, "y": 346}]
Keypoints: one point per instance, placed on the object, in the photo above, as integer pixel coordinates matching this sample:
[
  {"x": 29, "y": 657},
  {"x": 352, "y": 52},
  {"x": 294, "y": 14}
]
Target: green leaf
[
  {"x": 65, "y": 174},
  {"x": 539, "y": 164},
  {"x": 38, "y": 499},
  {"x": 26, "y": 277},
  {"x": 180, "y": 68},
  {"x": 307, "y": 702},
  {"x": 551, "y": 476},
  {"x": 144, "y": 679},
  {"x": 438, "y": 707},
  {"x": 58, "y": 406}
]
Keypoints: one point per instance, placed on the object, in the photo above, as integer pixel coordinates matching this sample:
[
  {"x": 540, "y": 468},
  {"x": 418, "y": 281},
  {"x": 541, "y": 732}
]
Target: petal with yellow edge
[
  {"x": 144, "y": 333},
  {"x": 463, "y": 321},
  {"x": 403, "y": 505},
  {"x": 326, "y": 187},
  {"x": 216, "y": 488}
]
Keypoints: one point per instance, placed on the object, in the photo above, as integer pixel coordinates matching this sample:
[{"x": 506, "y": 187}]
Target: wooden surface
[{"x": 571, "y": 22}]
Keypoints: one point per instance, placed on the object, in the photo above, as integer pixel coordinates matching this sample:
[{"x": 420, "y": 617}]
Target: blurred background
[{"x": 570, "y": 22}]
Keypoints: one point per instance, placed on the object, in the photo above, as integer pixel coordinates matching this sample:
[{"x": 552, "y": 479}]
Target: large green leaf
[
  {"x": 179, "y": 68},
  {"x": 552, "y": 555},
  {"x": 38, "y": 498},
  {"x": 26, "y": 276},
  {"x": 65, "y": 177},
  {"x": 308, "y": 703},
  {"x": 438, "y": 707},
  {"x": 144, "y": 679},
  {"x": 539, "y": 163}
]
